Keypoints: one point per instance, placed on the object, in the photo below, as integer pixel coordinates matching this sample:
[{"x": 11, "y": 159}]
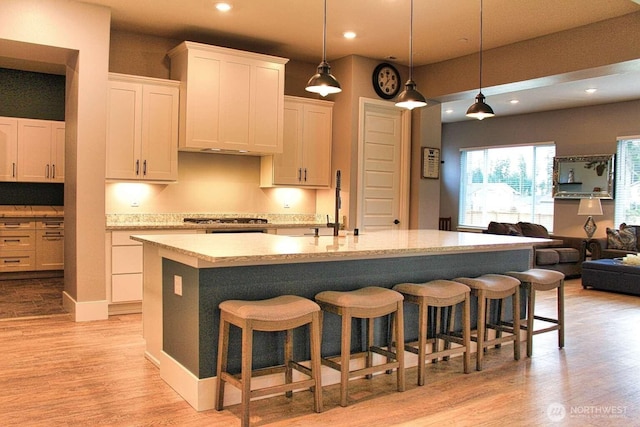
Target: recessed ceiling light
[
  {"x": 591, "y": 90},
  {"x": 349, "y": 35},
  {"x": 223, "y": 7},
  {"x": 514, "y": 101}
]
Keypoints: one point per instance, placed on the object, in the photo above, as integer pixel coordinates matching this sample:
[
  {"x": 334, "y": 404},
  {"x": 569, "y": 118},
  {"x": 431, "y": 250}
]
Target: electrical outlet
[
  {"x": 287, "y": 205},
  {"x": 177, "y": 285},
  {"x": 135, "y": 204}
]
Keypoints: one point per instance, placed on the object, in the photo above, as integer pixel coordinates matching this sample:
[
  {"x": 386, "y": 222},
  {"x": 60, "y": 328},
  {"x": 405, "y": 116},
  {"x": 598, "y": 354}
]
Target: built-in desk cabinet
[
  {"x": 31, "y": 150},
  {"x": 306, "y": 157},
  {"x": 142, "y": 128},
  {"x": 230, "y": 100},
  {"x": 28, "y": 244}
]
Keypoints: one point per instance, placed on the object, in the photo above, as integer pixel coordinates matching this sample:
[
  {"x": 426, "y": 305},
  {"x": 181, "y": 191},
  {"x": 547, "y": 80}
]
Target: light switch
[{"x": 177, "y": 285}]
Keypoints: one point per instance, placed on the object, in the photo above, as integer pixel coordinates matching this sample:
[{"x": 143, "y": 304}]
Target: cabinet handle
[
  {"x": 52, "y": 224},
  {"x": 137, "y": 167},
  {"x": 299, "y": 174},
  {"x": 53, "y": 172},
  {"x": 12, "y": 224},
  {"x": 144, "y": 168},
  {"x": 46, "y": 174},
  {"x": 13, "y": 168},
  {"x": 12, "y": 240},
  {"x": 12, "y": 261},
  {"x": 305, "y": 174}
]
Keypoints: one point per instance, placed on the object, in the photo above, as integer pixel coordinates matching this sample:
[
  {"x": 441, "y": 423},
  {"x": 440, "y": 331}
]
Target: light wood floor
[{"x": 54, "y": 372}]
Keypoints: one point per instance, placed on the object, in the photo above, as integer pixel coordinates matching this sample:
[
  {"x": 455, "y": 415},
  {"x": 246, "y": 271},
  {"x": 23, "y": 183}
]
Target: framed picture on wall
[{"x": 430, "y": 163}]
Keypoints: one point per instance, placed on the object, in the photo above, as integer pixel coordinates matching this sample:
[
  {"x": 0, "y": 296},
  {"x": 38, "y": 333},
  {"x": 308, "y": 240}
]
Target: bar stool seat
[
  {"x": 439, "y": 294},
  {"x": 365, "y": 303},
  {"x": 283, "y": 313},
  {"x": 538, "y": 279},
  {"x": 494, "y": 287}
]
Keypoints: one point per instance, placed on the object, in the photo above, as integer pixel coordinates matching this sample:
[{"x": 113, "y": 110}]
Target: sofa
[
  {"x": 565, "y": 256},
  {"x": 618, "y": 243}
]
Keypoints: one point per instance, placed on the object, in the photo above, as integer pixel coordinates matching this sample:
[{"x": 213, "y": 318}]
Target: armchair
[{"x": 618, "y": 243}]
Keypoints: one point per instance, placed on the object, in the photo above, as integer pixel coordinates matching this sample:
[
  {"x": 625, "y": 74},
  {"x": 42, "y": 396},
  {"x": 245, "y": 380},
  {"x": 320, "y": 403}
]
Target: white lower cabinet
[{"x": 125, "y": 266}]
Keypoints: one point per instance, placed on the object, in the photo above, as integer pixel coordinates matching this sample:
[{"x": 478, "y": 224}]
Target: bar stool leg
[
  {"x": 423, "y": 329},
  {"x": 315, "y": 360},
  {"x": 345, "y": 356},
  {"x": 400, "y": 350},
  {"x": 466, "y": 333},
  {"x": 516, "y": 323},
  {"x": 482, "y": 316},
  {"x": 247, "y": 355},
  {"x": 369, "y": 357},
  {"x": 288, "y": 358},
  {"x": 531, "y": 295},
  {"x": 223, "y": 338},
  {"x": 561, "y": 314}
]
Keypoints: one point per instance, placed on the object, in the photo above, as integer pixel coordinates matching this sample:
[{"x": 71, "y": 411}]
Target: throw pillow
[
  {"x": 504, "y": 228},
  {"x": 624, "y": 239}
]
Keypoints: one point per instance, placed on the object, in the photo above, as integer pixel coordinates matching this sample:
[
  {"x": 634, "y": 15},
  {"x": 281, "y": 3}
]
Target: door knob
[{"x": 396, "y": 221}]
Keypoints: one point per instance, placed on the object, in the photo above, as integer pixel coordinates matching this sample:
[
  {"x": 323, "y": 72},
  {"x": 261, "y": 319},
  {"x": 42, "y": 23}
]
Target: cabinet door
[
  {"x": 57, "y": 151},
  {"x": 160, "y": 133},
  {"x": 236, "y": 100},
  {"x": 316, "y": 147},
  {"x": 287, "y": 167},
  {"x": 267, "y": 110},
  {"x": 201, "y": 117},
  {"x": 8, "y": 148},
  {"x": 124, "y": 125},
  {"x": 34, "y": 150},
  {"x": 49, "y": 250}
]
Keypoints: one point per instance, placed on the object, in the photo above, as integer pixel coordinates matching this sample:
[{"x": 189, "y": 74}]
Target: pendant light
[
  {"x": 410, "y": 98},
  {"x": 323, "y": 81},
  {"x": 480, "y": 110}
]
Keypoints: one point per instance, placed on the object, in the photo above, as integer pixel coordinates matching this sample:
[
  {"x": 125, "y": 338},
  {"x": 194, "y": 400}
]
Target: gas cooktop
[{"x": 226, "y": 220}]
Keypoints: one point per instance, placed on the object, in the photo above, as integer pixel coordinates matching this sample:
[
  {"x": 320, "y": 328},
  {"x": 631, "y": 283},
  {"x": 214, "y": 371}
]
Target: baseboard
[{"x": 85, "y": 311}]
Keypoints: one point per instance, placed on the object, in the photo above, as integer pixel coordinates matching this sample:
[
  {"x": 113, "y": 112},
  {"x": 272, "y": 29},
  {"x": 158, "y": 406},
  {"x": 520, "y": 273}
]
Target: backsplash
[{"x": 178, "y": 218}]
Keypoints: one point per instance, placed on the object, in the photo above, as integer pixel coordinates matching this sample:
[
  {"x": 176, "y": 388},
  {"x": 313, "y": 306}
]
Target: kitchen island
[{"x": 187, "y": 276}]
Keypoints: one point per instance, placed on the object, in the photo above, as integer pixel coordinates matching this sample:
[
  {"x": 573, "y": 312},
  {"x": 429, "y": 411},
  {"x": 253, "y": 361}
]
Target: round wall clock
[{"x": 386, "y": 80}]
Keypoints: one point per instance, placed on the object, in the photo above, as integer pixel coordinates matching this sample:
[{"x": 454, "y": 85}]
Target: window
[
  {"x": 507, "y": 184},
  {"x": 627, "y": 195}
]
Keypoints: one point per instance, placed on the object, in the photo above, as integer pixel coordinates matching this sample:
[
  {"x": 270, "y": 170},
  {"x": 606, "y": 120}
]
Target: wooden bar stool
[
  {"x": 366, "y": 303},
  {"x": 494, "y": 287},
  {"x": 440, "y": 294},
  {"x": 538, "y": 279},
  {"x": 283, "y": 313}
]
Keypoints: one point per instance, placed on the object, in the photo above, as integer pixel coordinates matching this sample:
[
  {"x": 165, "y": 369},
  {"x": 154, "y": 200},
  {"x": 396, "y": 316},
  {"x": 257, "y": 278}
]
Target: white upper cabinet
[
  {"x": 8, "y": 148},
  {"x": 40, "y": 151},
  {"x": 230, "y": 100},
  {"x": 142, "y": 128},
  {"x": 306, "y": 157}
]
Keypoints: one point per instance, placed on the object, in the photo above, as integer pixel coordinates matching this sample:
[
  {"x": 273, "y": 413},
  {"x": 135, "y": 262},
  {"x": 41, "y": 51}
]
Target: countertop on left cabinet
[{"x": 21, "y": 211}]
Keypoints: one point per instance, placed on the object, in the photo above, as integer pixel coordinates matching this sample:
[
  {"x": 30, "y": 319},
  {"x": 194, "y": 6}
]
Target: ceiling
[{"x": 443, "y": 29}]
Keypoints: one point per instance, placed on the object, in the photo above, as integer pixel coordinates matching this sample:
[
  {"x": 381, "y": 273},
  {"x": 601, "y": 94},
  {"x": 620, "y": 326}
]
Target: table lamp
[{"x": 590, "y": 207}]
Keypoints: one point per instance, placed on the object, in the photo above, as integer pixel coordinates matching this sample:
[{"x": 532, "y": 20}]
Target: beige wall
[
  {"x": 576, "y": 131},
  {"x": 77, "y": 36}
]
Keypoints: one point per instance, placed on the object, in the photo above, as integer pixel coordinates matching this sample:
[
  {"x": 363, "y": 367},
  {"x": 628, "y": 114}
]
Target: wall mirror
[{"x": 580, "y": 177}]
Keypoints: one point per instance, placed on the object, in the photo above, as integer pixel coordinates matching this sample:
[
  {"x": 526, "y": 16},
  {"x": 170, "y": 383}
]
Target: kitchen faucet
[{"x": 336, "y": 224}]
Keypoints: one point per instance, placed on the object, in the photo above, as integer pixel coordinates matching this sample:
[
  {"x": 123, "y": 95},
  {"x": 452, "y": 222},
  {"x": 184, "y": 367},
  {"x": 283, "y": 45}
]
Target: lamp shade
[
  {"x": 590, "y": 206},
  {"x": 480, "y": 109},
  {"x": 410, "y": 98},
  {"x": 323, "y": 81}
]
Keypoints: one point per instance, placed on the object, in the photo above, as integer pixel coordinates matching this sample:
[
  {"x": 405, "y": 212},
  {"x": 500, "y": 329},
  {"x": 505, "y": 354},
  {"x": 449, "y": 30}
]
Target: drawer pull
[
  {"x": 12, "y": 240},
  {"x": 12, "y": 261},
  {"x": 12, "y": 224}
]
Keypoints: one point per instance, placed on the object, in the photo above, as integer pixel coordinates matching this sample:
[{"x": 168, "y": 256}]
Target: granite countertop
[
  {"x": 21, "y": 211},
  {"x": 173, "y": 221},
  {"x": 218, "y": 250}
]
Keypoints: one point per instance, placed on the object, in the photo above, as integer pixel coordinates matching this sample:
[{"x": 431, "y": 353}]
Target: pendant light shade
[
  {"x": 410, "y": 98},
  {"x": 323, "y": 81},
  {"x": 480, "y": 109}
]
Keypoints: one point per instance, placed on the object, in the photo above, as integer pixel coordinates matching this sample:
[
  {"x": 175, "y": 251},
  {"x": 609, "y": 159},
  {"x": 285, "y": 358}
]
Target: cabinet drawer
[
  {"x": 50, "y": 224},
  {"x": 126, "y": 287},
  {"x": 17, "y": 261},
  {"x": 126, "y": 259},
  {"x": 16, "y": 224},
  {"x": 17, "y": 240},
  {"x": 50, "y": 249},
  {"x": 121, "y": 238}
]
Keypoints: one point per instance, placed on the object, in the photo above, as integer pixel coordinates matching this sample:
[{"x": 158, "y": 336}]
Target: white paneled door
[{"x": 383, "y": 167}]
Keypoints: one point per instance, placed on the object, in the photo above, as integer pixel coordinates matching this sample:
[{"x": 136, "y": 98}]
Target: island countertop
[{"x": 221, "y": 250}]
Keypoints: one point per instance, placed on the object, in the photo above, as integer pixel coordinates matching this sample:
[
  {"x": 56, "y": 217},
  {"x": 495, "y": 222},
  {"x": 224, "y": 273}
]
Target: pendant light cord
[
  {"x": 480, "y": 85},
  {"x": 411, "y": 43},
  {"x": 324, "y": 34}
]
